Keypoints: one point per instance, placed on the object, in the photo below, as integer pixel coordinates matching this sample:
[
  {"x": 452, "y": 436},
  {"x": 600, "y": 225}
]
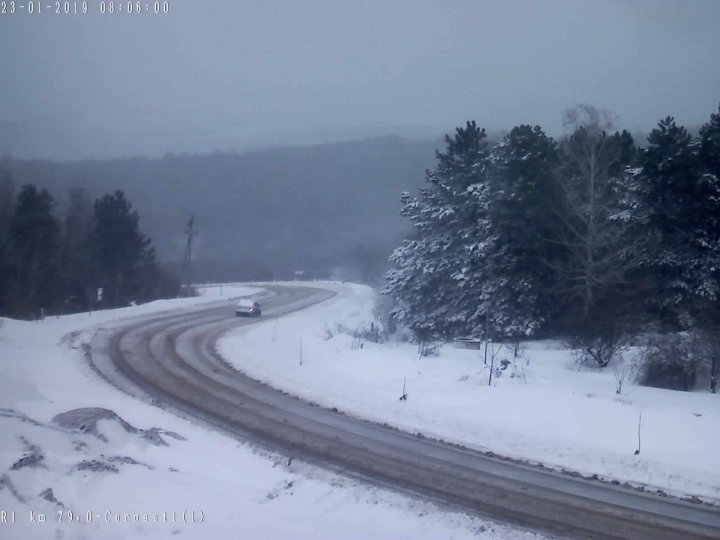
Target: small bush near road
[{"x": 672, "y": 361}]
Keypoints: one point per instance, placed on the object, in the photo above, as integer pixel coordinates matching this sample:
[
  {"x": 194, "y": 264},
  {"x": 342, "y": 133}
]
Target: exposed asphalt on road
[{"x": 171, "y": 358}]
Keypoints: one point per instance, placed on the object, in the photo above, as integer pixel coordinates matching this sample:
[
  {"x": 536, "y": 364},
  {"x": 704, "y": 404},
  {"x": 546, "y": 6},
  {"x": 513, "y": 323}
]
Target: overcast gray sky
[{"x": 228, "y": 74}]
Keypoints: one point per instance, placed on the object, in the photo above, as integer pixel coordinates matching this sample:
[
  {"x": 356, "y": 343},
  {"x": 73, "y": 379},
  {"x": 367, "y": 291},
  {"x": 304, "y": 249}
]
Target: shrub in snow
[
  {"x": 372, "y": 333},
  {"x": 671, "y": 361},
  {"x": 401, "y": 335},
  {"x": 497, "y": 363},
  {"x": 596, "y": 351},
  {"x": 382, "y": 311},
  {"x": 518, "y": 349},
  {"x": 620, "y": 371},
  {"x": 332, "y": 331},
  {"x": 598, "y": 337},
  {"x": 356, "y": 344},
  {"x": 429, "y": 348}
]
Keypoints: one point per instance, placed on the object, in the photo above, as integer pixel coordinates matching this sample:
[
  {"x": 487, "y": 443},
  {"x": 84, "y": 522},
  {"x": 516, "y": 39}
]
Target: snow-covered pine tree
[
  {"x": 418, "y": 284},
  {"x": 710, "y": 181},
  {"x": 523, "y": 213},
  {"x": 709, "y": 314},
  {"x": 120, "y": 253},
  {"x": 679, "y": 203},
  {"x": 710, "y": 145},
  {"x": 76, "y": 267},
  {"x": 34, "y": 234},
  {"x": 710, "y": 164},
  {"x": 439, "y": 274},
  {"x": 7, "y": 266}
]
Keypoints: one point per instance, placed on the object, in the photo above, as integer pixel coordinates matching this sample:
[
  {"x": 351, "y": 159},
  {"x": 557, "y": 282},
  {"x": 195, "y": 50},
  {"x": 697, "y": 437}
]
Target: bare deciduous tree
[
  {"x": 596, "y": 240},
  {"x": 621, "y": 372}
]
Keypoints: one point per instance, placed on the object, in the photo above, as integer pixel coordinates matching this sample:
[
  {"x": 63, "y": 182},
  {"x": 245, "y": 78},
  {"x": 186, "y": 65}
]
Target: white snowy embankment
[
  {"x": 550, "y": 412},
  {"x": 118, "y": 475}
]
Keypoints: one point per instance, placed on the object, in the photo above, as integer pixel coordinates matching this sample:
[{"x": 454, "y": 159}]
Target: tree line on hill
[
  {"x": 591, "y": 238},
  {"x": 95, "y": 256}
]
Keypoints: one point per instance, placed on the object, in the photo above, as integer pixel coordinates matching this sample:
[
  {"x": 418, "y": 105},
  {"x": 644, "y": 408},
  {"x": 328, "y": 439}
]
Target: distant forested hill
[{"x": 263, "y": 214}]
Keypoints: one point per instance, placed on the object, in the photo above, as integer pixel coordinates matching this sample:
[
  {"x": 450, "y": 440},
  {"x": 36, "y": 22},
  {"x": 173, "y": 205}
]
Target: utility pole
[{"x": 187, "y": 259}]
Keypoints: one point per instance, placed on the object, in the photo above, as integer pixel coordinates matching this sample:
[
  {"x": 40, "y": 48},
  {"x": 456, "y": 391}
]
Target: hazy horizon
[{"x": 233, "y": 76}]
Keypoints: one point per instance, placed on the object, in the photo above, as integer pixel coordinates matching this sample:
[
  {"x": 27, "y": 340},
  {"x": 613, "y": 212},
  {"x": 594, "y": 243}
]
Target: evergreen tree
[
  {"x": 708, "y": 318},
  {"x": 118, "y": 249},
  {"x": 710, "y": 145},
  {"x": 7, "y": 199},
  {"x": 34, "y": 235},
  {"x": 152, "y": 282},
  {"x": 625, "y": 154},
  {"x": 524, "y": 200},
  {"x": 75, "y": 255},
  {"x": 439, "y": 280},
  {"x": 679, "y": 204},
  {"x": 710, "y": 181}
]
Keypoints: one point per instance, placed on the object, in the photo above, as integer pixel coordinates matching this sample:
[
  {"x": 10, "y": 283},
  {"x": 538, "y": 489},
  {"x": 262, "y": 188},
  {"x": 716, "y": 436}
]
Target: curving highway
[{"x": 172, "y": 358}]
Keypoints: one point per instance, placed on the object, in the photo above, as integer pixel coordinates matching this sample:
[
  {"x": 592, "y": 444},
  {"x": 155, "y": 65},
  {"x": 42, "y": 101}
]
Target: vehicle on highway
[{"x": 247, "y": 308}]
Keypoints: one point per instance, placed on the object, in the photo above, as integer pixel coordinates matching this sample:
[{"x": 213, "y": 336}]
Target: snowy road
[{"x": 172, "y": 358}]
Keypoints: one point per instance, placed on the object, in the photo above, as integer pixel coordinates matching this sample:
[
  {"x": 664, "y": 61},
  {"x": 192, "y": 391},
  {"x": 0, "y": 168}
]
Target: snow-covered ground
[
  {"x": 106, "y": 476},
  {"x": 542, "y": 407}
]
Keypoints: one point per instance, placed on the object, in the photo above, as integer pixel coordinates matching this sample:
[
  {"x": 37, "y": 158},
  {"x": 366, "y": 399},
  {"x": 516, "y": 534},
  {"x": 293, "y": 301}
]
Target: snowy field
[
  {"x": 542, "y": 408},
  {"x": 139, "y": 471}
]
